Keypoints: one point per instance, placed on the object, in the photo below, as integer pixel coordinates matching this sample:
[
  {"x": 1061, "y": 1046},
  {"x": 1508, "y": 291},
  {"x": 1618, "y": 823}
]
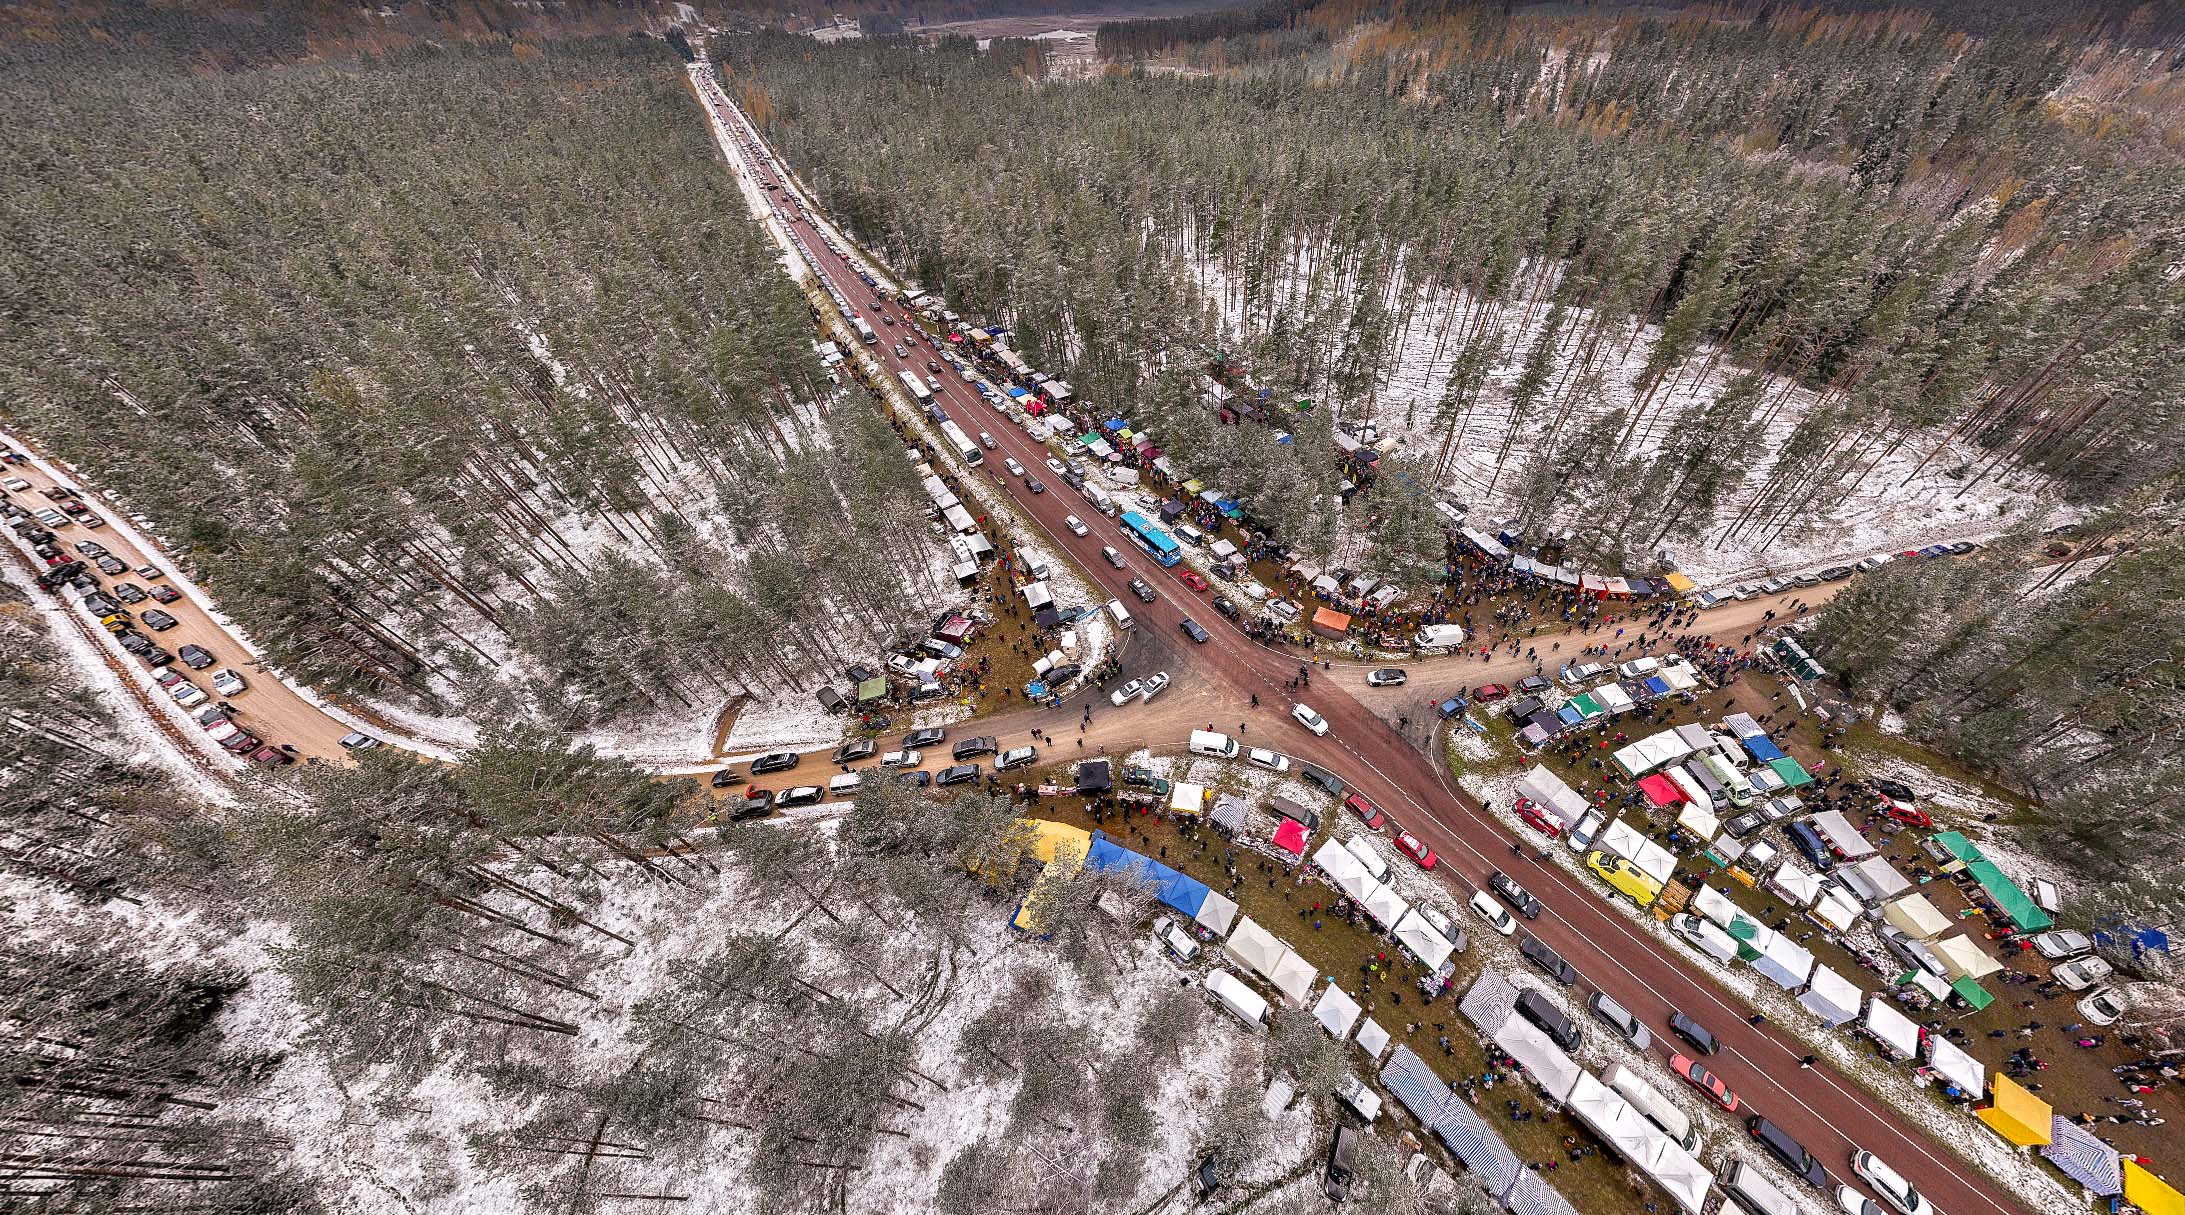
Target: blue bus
[{"x": 1151, "y": 538}]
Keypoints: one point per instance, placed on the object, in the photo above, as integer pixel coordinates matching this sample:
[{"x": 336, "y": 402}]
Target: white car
[
  {"x": 902, "y": 759},
  {"x": 1179, "y": 941},
  {"x": 1016, "y": 757},
  {"x": 2103, "y": 1006},
  {"x": 1056, "y": 467},
  {"x": 2082, "y": 973},
  {"x": 1261, "y": 757},
  {"x": 1890, "y": 1184},
  {"x": 1154, "y": 683},
  {"x": 1010, "y": 463},
  {"x": 1497, "y": 916},
  {"x": 226, "y": 682},
  {"x": 1854, "y": 1203},
  {"x": 933, "y": 382},
  {"x": 16, "y": 484},
  {"x": 1386, "y": 677},
  {"x": 1076, "y": 525},
  {"x": 1874, "y": 562},
  {"x": 1127, "y": 693},
  {"x": 188, "y": 695},
  {"x": 1305, "y": 717},
  {"x": 2063, "y": 943}
]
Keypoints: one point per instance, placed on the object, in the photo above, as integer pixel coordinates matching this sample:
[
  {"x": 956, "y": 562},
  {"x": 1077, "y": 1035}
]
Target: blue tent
[
  {"x": 1657, "y": 685},
  {"x": 1170, "y": 510},
  {"x": 1183, "y": 893},
  {"x": 1761, "y": 749},
  {"x": 1569, "y": 716},
  {"x": 1017, "y": 394},
  {"x": 1113, "y": 424}
]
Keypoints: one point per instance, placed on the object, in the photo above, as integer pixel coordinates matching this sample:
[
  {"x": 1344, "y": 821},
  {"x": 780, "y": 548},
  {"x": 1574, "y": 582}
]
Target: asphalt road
[{"x": 1824, "y": 1111}]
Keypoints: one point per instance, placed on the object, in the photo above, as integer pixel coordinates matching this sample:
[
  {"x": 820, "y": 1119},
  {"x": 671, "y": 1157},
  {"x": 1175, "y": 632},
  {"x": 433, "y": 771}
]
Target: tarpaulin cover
[
  {"x": 2151, "y": 1193},
  {"x": 1551, "y": 1069},
  {"x": 1957, "y": 1067},
  {"x": 2080, "y": 1155},
  {"x": 1569, "y": 716},
  {"x": 1960, "y": 956},
  {"x": 1336, "y": 1012},
  {"x": 1841, "y": 835},
  {"x": 1490, "y": 1001},
  {"x": 1678, "y": 1172},
  {"x": 1549, "y": 792},
  {"x": 1290, "y": 837},
  {"x": 1660, "y": 790},
  {"x": 1762, "y": 750},
  {"x": 1217, "y": 913},
  {"x": 1425, "y": 941},
  {"x": 1185, "y": 894},
  {"x": 1051, "y": 840},
  {"x": 1657, "y": 685},
  {"x": 2014, "y": 902},
  {"x": 1651, "y": 752},
  {"x": 2016, "y": 1114},
  {"x": 1915, "y": 917},
  {"x": 1679, "y": 583},
  {"x": 1533, "y": 736},
  {"x": 1586, "y": 706},
  {"x": 1795, "y": 883},
  {"x": 1794, "y": 774},
  {"x": 1832, "y": 997},
  {"x": 1414, "y": 1085},
  {"x": 1372, "y": 1038},
  {"x": 1892, "y": 1028}
]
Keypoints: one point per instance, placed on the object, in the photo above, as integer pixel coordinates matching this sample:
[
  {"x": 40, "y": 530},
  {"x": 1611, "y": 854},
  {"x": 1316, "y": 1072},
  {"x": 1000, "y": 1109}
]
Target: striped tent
[
  {"x": 2080, "y": 1155},
  {"x": 1472, "y": 1141},
  {"x": 1532, "y": 1196},
  {"x": 1490, "y": 1002}
]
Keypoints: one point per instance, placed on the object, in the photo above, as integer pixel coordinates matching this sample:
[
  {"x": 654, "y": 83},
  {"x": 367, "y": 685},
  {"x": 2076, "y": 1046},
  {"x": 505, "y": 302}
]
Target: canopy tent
[
  {"x": 1874, "y": 879},
  {"x": 1290, "y": 837},
  {"x": 1783, "y": 961},
  {"x": 1229, "y": 814},
  {"x": 1341, "y": 867},
  {"x": 1958, "y": 1067},
  {"x": 1960, "y": 957},
  {"x": 1372, "y": 1038},
  {"x": 1969, "y": 990},
  {"x": 1652, "y": 752},
  {"x": 1891, "y": 1028},
  {"x": 1700, "y": 822},
  {"x": 1792, "y": 772},
  {"x": 1613, "y": 698},
  {"x": 1660, "y": 790},
  {"x": 1795, "y": 883},
  {"x": 1761, "y": 749},
  {"x": 1915, "y": 917},
  {"x": 1253, "y": 947},
  {"x": 1532, "y": 1195},
  {"x": 1051, "y": 840},
  {"x": 1679, "y": 1172},
  {"x": 1620, "y": 838},
  {"x": 1656, "y": 686},
  {"x": 1743, "y": 726},
  {"x": 1678, "y": 674},
  {"x": 1841, "y": 835},
  {"x": 1425, "y": 941},
  {"x": 1217, "y": 913},
  {"x": 1551, "y": 1069},
  {"x": 1832, "y": 997},
  {"x": 1533, "y": 737},
  {"x": 1336, "y": 1012},
  {"x": 1587, "y": 706},
  {"x": 1554, "y": 797},
  {"x": 1697, "y": 737},
  {"x": 1679, "y": 584},
  {"x": 1491, "y": 1000},
  {"x": 2017, "y": 1115},
  {"x": 1293, "y": 976},
  {"x": 1187, "y": 798},
  {"x": 1569, "y": 716},
  {"x": 1716, "y": 906},
  {"x": 1385, "y": 906},
  {"x": 2080, "y": 1155},
  {"x": 1836, "y": 909},
  {"x": 2151, "y": 1193},
  {"x": 1175, "y": 890},
  {"x": 2014, "y": 903}
]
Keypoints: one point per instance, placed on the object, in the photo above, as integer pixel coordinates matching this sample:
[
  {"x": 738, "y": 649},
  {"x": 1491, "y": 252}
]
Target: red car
[
  {"x": 1193, "y": 581},
  {"x": 1410, "y": 846},
  {"x": 1366, "y": 810},
  {"x": 1904, "y": 813},
  {"x": 1705, "y": 1081},
  {"x": 1538, "y": 821},
  {"x": 1489, "y": 692}
]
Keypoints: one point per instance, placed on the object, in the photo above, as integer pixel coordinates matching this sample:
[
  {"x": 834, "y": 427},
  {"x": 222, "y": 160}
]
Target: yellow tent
[
  {"x": 1679, "y": 583},
  {"x": 2150, "y": 1193},
  {"x": 2016, "y": 1114},
  {"x": 1053, "y": 840}
]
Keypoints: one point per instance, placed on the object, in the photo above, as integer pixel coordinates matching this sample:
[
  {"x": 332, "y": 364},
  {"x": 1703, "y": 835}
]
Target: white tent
[
  {"x": 1372, "y": 1038},
  {"x": 1678, "y": 1172},
  {"x": 1187, "y": 798},
  {"x": 1336, "y": 1012},
  {"x": 1369, "y": 860},
  {"x": 1957, "y": 1067},
  {"x": 1832, "y": 997},
  {"x": 1425, "y": 941},
  {"x": 1785, "y": 962},
  {"x": 1837, "y": 909},
  {"x": 1612, "y": 697},
  {"x": 1604, "y": 1112},
  {"x": 1841, "y": 835},
  {"x": 1622, "y": 839},
  {"x": 1385, "y": 905},
  {"x": 1795, "y": 883},
  {"x": 1874, "y": 879},
  {"x": 1892, "y": 1028},
  {"x": 1551, "y": 1069},
  {"x": 1254, "y": 947},
  {"x": 1716, "y": 906},
  {"x": 1341, "y": 867},
  {"x": 1037, "y": 596},
  {"x": 1916, "y": 917},
  {"x": 1961, "y": 957},
  {"x": 1699, "y": 822},
  {"x": 1217, "y": 913},
  {"x": 1652, "y": 752},
  {"x": 1549, "y": 792},
  {"x": 1293, "y": 976}
]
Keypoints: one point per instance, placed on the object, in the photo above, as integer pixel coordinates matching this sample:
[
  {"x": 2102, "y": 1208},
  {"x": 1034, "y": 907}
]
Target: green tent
[
  {"x": 1587, "y": 707},
  {"x": 1793, "y": 773},
  {"x": 872, "y": 689},
  {"x": 2015, "y": 903},
  {"x": 1973, "y": 993},
  {"x": 1743, "y": 931}
]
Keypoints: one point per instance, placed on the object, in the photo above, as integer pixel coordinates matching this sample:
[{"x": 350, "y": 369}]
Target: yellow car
[{"x": 1620, "y": 873}]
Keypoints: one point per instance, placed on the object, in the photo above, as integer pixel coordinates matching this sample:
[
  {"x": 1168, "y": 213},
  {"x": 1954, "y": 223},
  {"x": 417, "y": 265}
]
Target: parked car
[
  {"x": 128, "y": 592},
  {"x": 755, "y": 803},
  {"x": 2082, "y": 973},
  {"x": 1127, "y": 693},
  {"x": 112, "y": 567},
  {"x": 2102, "y": 1006},
  {"x": 1386, "y": 677},
  {"x": 1788, "y": 1150},
  {"x": 187, "y": 694},
  {"x": 2063, "y": 943},
  {"x": 1366, "y": 811},
  {"x": 1409, "y": 845},
  {"x": 924, "y": 738},
  {"x": 969, "y": 747},
  {"x": 1178, "y": 939},
  {"x": 855, "y": 749},
  {"x": 91, "y": 548},
  {"x": 1620, "y": 1019},
  {"x": 775, "y": 761},
  {"x": 150, "y": 573},
  {"x": 1488, "y": 693},
  {"x": 1193, "y": 631},
  {"x": 1154, "y": 683},
  {"x": 158, "y": 621},
  {"x": 800, "y": 795},
  {"x": 1694, "y": 1034},
  {"x": 1342, "y": 1159},
  {"x": 1016, "y": 757},
  {"x": 271, "y": 756},
  {"x": 1550, "y": 962},
  {"x": 1303, "y": 715},
  {"x": 1533, "y": 685},
  {"x": 195, "y": 657},
  {"x": 358, "y": 741},
  {"x": 1890, "y": 1184},
  {"x": 225, "y": 681},
  {"x": 164, "y": 594},
  {"x": 1228, "y": 609},
  {"x": 957, "y": 775},
  {"x": 1705, "y": 1081},
  {"x": 1191, "y": 579},
  {"x": 1536, "y": 1007},
  {"x": 1539, "y": 821},
  {"x": 727, "y": 777},
  {"x": 1515, "y": 895},
  {"x": 1261, "y": 757},
  {"x": 1497, "y": 916}
]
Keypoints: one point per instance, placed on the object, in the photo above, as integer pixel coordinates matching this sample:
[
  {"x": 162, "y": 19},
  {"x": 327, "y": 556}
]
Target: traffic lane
[{"x": 267, "y": 708}]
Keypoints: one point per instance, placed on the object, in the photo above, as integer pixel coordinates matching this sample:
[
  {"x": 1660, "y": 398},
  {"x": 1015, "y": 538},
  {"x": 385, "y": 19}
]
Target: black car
[
  {"x": 800, "y": 795},
  {"x": 112, "y": 567},
  {"x": 1744, "y": 825},
  {"x": 1342, "y": 1162},
  {"x": 1537, "y": 1008},
  {"x": 1963, "y": 547},
  {"x": 1809, "y": 842},
  {"x": 196, "y": 657},
  {"x": 155, "y": 657},
  {"x": 1694, "y": 1034},
  {"x": 127, "y": 592},
  {"x": 969, "y": 747},
  {"x": 133, "y": 641},
  {"x": 1513, "y": 894},
  {"x": 775, "y": 761},
  {"x": 1896, "y": 789},
  {"x": 916, "y": 780},
  {"x": 1548, "y": 961},
  {"x": 1323, "y": 778},
  {"x": 922, "y": 738},
  {"x": 1788, "y": 1150},
  {"x": 1533, "y": 685},
  {"x": 1836, "y": 573},
  {"x": 157, "y": 621},
  {"x": 856, "y": 748},
  {"x": 1140, "y": 589},
  {"x": 960, "y": 774},
  {"x": 1193, "y": 631},
  {"x": 727, "y": 777},
  {"x": 858, "y": 672},
  {"x": 1226, "y": 608},
  {"x": 758, "y": 805},
  {"x": 90, "y": 548}
]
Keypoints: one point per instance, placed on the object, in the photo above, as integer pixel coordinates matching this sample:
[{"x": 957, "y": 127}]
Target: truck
[{"x": 864, "y": 331}]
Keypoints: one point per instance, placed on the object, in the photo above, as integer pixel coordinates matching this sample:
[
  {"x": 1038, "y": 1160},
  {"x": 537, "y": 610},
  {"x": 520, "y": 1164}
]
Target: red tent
[
  {"x": 1290, "y": 837},
  {"x": 1661, "y": 790}
]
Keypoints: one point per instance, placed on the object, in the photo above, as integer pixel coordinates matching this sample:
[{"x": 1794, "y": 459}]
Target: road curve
[{"x": 1826, "y": 1112}]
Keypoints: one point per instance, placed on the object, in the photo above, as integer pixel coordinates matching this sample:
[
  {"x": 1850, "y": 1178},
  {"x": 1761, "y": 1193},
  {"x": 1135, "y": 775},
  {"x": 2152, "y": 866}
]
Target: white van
[
  {"x": 1188, "y": 534},
  {"x": 1213, "y": 743},
  {"x": 1239, "y": 999},
  {"x": 1704, "y": 936},
  {"x": 1120, "y": 613},
  {"x": 1099, "y": 498},
  {"x": 1438, "y": 636},
  {"x": 1753, "y": 1191},
  {"x": 1109, "y": 555},
  {"x": 845, "y": 785},
  {"x": 1741, "y": 790},
  {"x": 1656, "y": 1108},
  {"x": 1693, "y": 790}
]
